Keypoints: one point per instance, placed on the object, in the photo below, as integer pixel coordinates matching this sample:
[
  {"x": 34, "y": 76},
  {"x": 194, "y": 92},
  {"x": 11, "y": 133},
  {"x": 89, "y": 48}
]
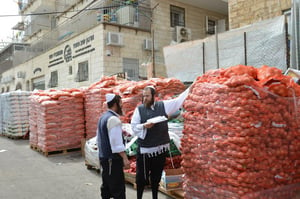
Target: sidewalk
[{"x": 28, "y": 174}]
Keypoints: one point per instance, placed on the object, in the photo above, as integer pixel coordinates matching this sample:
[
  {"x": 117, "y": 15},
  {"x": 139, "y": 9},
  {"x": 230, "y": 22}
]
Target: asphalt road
[{"x": 28, "y": 174}]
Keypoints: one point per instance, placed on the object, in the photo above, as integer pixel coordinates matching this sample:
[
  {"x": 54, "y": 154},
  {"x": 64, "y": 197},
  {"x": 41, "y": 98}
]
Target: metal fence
[{"x": 262, "y": 43}]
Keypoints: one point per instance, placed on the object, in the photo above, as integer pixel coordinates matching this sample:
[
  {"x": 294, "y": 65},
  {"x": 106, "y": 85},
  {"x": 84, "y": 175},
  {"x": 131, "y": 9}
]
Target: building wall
[
  {"x": 195, "y": 19},
  {"x": 132, "y": 48},
  {"x": 245, "y": 12},
  {"x": 89, "y": 46},
  {"x": 102, "y": 64}
]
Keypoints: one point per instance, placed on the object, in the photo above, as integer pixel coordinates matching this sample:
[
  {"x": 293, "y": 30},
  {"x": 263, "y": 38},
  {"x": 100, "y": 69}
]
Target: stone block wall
[{"x": 245, "y": 12}]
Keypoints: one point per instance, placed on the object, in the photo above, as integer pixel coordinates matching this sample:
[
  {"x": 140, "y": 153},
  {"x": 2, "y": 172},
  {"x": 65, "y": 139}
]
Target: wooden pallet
[
  {"x": 15, "y": 137},
  {"x": 130, "y": 179},
  {"x": 34, "y": 147},
  {"x": 56, "y": 152},
  {"x": 176, "y": 194},
  {"x": 92, "y": 167}
]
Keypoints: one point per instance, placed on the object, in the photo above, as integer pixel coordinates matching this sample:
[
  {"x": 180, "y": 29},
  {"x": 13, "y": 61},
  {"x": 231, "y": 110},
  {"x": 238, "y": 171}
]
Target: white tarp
[
  {"x": 15, "y": 113},
  {"x": 184, "y": 60},
  {"x": 264, "y": 43}
]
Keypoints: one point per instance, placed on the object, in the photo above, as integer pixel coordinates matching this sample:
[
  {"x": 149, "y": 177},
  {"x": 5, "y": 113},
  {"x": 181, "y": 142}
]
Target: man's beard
[
  {"x": 119, "y": 110},
  {"x": 149, "y": 104}
]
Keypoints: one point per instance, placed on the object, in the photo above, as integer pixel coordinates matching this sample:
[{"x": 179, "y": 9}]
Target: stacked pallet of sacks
[
  {"x": 56, "y": 119},
  {"x": 94, "y": 104},
  {"x": 242, "y": 135},
  {"x": 15, "y": 113},
  {"x": 131, "y": 93},
  {"x": 1, "y": 116},
  {"x": 166, "y": 88}
]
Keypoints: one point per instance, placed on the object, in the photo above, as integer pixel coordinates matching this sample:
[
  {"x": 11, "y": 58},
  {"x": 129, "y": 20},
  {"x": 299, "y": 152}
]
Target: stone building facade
[
  {"x": 78, "y": 60},
  {"x": 246, "y": 12}
]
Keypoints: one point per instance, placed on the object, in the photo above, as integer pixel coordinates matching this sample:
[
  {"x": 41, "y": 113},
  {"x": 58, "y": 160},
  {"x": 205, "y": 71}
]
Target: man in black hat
[
  {"x": 111, "y": 147},
  {"x": 149, "y": 123}
]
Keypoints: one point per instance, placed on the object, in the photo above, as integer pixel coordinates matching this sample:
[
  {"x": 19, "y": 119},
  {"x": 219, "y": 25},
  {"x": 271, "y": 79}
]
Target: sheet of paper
[{"x": 157, "y": 119}]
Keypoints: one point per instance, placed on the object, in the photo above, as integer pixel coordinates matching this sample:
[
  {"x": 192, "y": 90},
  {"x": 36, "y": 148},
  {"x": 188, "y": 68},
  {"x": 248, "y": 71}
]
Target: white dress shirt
[
  {"x": 114, "y": 126},
  {"x": 171, "y": 106}
]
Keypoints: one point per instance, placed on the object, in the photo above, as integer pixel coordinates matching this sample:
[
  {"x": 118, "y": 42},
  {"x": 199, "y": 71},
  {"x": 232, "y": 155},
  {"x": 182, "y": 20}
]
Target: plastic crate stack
[{"x": 15, "y": 113}]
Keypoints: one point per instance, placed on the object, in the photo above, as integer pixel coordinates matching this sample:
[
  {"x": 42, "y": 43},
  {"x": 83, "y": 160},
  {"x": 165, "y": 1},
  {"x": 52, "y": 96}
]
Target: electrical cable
[{"x": 60, "y": 12}]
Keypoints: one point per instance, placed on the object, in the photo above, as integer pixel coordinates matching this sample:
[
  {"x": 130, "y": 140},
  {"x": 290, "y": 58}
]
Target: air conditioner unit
[
  {"x": 182, "y": 34},
  {"x": 148, "y": 44},
  {"x": 114, "y": 39}
]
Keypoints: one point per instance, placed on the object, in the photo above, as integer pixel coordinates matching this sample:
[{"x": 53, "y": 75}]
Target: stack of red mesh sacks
[
  {"x": 56, "y": 119},
  {"x": 242, "y": 135},
  {"x": 131, "y": 93},
  {"x": 94, "y": 104},
  {"x": 166, "y": 88}
]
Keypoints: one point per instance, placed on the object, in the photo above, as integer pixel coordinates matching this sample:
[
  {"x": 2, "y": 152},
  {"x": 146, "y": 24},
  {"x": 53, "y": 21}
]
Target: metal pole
[
  {"x": 288, "y": 49},
  {"x": 153, "y": 50},
  {"x": 245, "y": 48},
  {"x": 152, "y": 37},
  {"x": 217, "y": 47},
  {"x": 203, "y": 54}
]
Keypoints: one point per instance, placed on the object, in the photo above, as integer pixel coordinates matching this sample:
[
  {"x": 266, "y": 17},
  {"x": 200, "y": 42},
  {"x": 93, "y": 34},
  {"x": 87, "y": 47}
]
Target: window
[
  {"x": 18, "y": 86},
  {"x": 210, "y": 25},
  {"x": 38, "y": 83},
  {"x": 53, "y": 82},
  {"x": 70, "y": 70},
  {"x": 53, "y": 22},
  {"x": 177, "y": 16},
  {"x": 131, "y": 68},
  {"x": 83, "y": 72},
  {"x": 27, "y": 85}
]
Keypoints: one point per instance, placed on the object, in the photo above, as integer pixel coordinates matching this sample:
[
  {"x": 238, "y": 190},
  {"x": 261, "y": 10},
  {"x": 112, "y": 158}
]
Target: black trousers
[
  {"x": 113, "y": 182},
  {"x": 149, "y": 167}
]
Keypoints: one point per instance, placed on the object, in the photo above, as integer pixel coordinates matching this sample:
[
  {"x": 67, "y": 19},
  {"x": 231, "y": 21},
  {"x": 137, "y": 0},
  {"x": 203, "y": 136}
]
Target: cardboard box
[{"x": 171, "y": 179}]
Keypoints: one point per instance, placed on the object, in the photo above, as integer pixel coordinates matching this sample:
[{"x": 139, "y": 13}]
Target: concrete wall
[
  {"x": 245, "y": 12},
  {"x": 100, "y": 64}
]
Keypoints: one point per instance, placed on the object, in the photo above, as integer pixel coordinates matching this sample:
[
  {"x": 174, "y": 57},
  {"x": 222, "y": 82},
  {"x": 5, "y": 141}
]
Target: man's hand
[
  {"x": 126, "y": 163},
  {"x": 148, "y": 125}
]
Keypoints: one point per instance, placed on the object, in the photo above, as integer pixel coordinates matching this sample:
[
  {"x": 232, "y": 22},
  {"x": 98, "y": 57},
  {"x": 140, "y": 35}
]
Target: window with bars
[
  {"x": 83, "y": 72},
  {"x": 210, "y": 25},
  {"x": 177, "y": 16},
  {"x": 131, "y": 68},
  {"x": 53, "y": 82}
]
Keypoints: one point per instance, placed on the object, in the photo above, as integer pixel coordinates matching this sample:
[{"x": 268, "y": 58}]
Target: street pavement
[{"x": 28, "y": 174}]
